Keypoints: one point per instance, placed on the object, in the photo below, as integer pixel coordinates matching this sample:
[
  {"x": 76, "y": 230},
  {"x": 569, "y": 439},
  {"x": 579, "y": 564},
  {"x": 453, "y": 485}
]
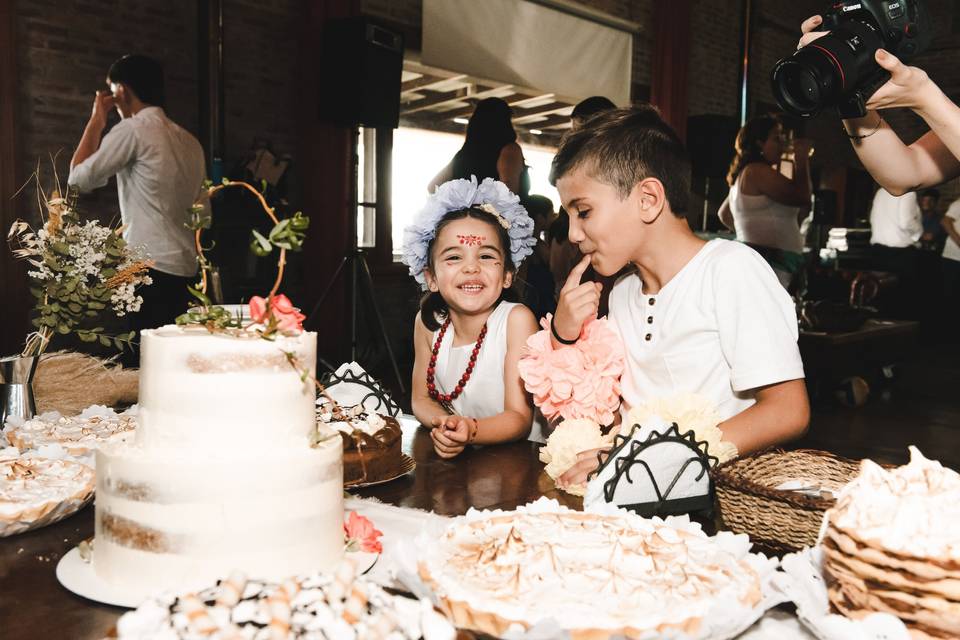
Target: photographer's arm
[
  {"x": 898, "y": 167},
  {"x": 931, "y": 159}
]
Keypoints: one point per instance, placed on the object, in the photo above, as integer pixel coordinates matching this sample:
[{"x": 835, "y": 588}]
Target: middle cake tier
[{"x": 167, "y": 520}]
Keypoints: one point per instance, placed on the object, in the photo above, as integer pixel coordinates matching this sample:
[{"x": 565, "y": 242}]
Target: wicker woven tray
[{"x": 780, "y": 521}]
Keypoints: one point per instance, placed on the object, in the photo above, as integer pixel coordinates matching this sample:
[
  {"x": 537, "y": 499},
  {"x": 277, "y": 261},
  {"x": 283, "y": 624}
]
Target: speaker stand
[{"x": 360, "y": 278}]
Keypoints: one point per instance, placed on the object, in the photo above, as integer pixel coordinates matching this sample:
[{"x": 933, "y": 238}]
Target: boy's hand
[
  {"x": 585, "y": 465},
  {"x": 578, "y": 302},
  {"x": 451, "y": 435}
]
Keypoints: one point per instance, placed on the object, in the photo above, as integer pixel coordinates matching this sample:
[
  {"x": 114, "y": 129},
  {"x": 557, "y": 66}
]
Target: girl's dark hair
[
  {"x": 141, "y": 74},
  {"x": 749, "y": 144},
  {"x": 488, "y": 131},
  {"x": 433, "y": 308}
]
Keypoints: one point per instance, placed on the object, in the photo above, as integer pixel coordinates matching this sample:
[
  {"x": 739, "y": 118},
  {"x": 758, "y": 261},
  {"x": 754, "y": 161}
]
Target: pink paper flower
[
  {"x": 361, "y": 535},
  {"x": 288, "y": 318},
  {"x": 577, "y": 381}
]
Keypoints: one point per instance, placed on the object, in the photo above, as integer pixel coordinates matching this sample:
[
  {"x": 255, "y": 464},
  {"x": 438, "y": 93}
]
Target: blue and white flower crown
[{"x": 491, "y": 196}]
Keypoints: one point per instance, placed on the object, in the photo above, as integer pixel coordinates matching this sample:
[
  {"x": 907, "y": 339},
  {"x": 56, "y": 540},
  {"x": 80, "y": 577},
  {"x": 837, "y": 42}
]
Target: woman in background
[
  {"x": 765, "y": 207},
  {"x": 489, "y": 151}
]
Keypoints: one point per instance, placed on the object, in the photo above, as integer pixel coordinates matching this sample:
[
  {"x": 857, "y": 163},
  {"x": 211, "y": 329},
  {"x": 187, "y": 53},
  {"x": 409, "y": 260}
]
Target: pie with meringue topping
[{"x": 594, "y": 575}]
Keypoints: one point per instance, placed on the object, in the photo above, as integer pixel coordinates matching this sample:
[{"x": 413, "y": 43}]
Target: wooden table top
[{"x": 34, "y": 605}]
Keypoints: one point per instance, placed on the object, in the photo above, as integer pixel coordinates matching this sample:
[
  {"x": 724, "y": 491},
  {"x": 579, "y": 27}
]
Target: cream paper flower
[
  {"x": 691, "y": 412},
  {"x": 567, "y": 440}
]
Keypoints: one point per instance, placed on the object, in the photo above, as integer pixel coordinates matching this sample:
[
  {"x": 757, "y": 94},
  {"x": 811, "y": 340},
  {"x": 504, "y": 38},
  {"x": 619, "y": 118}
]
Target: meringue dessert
[
  {"x": 593, "y": 575},
  {"x": 892, "y": 544},
  {"x": 318, "y": 606},
  {"x": 38, "y": 491}
]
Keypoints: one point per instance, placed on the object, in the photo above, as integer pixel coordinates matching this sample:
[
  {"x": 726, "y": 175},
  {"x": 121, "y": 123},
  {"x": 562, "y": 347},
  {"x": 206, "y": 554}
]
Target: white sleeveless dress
[{"x": 482, "y": 396}]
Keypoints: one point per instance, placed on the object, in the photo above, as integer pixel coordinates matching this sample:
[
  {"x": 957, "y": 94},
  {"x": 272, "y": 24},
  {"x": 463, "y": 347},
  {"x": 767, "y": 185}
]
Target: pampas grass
[{"x": 69, "y": 382}]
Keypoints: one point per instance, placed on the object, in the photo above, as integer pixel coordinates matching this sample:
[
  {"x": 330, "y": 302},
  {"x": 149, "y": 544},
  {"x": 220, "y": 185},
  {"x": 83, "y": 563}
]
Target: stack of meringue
[{"x": 892, "y": 544}]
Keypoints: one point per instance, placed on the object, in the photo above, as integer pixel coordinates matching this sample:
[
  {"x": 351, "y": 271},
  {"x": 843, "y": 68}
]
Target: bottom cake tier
[{"x": 172, "y": 520}]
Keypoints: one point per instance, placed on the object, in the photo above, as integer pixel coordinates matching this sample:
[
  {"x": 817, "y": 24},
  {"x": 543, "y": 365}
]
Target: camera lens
[
  {"x": 828, "y": 71},
  {"x": 797, "y": 88},
  {"x": 807, "y": 81}
]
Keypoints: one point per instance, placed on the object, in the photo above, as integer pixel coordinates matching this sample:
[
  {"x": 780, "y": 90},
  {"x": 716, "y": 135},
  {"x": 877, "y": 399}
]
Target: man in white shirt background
[
  {"x": 896, "y": 229},
  {"x": 895, "y": 221},
  {"x": 160, "y": 172}
]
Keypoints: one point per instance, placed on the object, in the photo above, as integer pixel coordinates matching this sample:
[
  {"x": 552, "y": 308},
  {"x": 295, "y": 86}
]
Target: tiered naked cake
[
  {"x": 892, "y": 544},
  {"x": 221, "y": 475}
]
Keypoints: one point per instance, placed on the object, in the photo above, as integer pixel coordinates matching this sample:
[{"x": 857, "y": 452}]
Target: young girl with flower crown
[{"x": 464, "y": 248}]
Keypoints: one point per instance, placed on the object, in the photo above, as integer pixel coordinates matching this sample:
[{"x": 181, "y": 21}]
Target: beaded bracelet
[
  {"x": 866, "y": 135},
  {"x": 553, "y": 330}
]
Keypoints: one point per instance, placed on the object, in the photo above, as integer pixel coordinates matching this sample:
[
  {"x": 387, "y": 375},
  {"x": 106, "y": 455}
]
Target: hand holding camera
[{"x": 851, "y": 62}]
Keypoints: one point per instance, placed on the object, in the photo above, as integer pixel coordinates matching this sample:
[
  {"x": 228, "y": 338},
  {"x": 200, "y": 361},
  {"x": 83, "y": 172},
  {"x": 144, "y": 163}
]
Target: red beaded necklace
[{"x": 446, "y": 398}]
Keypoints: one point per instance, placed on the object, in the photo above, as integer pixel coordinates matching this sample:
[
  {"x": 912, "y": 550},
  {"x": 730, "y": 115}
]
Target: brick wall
[
  {"x": 261, "y": 74},
  {"x": 66, "y": 48},
  {"x": 64, "y": 51}
]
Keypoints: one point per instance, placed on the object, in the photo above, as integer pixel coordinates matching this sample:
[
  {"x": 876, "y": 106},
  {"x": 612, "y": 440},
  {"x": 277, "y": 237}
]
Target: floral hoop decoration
[
  {"x": 271, "y": 315},
  {"x": 491, "y": 196},
  {"x": 77, "y": 271}
]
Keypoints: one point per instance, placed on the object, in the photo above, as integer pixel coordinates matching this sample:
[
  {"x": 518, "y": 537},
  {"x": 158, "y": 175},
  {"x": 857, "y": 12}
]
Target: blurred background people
[
  {"x": 586, "y": 109},
  {"x": 934, "y": 234},
  {"x": 490, "y": 150},
  {"x": 765, "y": 207}
]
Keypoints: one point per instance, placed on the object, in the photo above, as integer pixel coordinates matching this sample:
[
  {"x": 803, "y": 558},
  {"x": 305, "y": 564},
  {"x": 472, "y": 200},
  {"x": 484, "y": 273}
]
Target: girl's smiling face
[{"x": 467, "y": 266}]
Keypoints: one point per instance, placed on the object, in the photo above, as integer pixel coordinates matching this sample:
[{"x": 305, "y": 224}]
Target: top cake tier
[{"x": 217, "y": 392}]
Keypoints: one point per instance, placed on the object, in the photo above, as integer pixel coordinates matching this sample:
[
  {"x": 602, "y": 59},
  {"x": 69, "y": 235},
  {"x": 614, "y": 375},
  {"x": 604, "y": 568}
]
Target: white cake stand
[{"x": 78, "y": 576}]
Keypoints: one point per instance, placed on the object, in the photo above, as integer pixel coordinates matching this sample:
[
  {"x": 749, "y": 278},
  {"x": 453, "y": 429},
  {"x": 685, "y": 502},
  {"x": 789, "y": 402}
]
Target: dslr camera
[{"x": 839, "y": 69}]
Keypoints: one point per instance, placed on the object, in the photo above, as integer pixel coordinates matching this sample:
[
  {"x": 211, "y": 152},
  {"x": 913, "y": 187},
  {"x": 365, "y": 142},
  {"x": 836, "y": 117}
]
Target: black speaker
[
  {"x": 360, "y": 73},
  {"x": 710, "y": 141}
]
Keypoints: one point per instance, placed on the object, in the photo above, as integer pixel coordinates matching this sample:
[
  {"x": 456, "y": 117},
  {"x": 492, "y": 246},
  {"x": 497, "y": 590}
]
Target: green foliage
[
  {"x": 287, "y": 234},
  {"x": 72, "y": 264}
]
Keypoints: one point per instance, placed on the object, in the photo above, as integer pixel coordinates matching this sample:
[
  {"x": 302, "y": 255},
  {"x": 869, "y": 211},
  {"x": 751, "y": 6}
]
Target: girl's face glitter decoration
[{"x": 471, "y": 240}]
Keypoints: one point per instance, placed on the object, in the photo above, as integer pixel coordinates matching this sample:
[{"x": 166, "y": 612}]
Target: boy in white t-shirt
[{"x": 702, "y": 317}]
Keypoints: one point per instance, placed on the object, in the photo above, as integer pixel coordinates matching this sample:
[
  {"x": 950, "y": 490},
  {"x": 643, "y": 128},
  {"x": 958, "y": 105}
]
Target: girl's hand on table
[{"x": 451, "y": 434}]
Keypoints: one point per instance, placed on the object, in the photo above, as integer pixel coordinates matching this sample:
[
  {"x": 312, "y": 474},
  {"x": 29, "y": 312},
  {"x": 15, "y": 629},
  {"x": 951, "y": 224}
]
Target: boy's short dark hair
[
  {"x": 141, "y": 74},
  {"x": 621, "y": 147}
]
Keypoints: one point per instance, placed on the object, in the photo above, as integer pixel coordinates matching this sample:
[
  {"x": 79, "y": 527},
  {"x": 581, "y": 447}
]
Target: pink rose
[
  {"x": 258, "y": 309},
  {"x": 282, "y": 304},
  {"x": 361, "y": 535},
  {"x": 289, "y": 322},
  {"x": 287, "y": 317}
]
